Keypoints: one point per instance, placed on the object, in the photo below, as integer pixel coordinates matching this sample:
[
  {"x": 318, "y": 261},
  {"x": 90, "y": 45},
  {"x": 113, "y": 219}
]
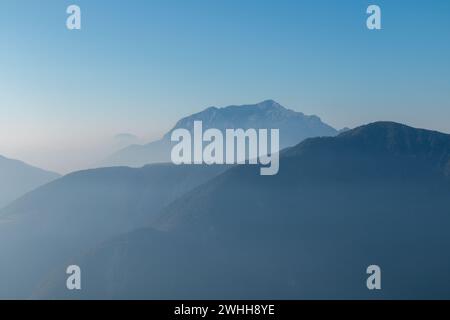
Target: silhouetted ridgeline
[
  {"x": 378, "y": 194},
  {"x": 42, "y": 230},
  {"x": 18, "y": 178},
  {"x": 294, "y": 127}
]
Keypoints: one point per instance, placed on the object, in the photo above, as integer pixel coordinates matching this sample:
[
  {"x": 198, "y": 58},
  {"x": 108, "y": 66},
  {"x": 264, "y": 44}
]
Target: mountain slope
[
  {"x": 70, "y": 215},
  {"x": 294, "y": 127},
  {"x": 18, "y": 178},
  {"x": 377, "y": 194},
  {"x": 378, "y": 153}
]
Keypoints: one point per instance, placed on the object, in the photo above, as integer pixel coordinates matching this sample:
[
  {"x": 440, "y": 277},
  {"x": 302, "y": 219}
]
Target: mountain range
[
  {"x": 342, "y": 200},
  {"x": 374, "y": 195},
  {"x": 377, "y": 194},
  {"x": 76, "y": 212},
  {"x": 18, "y": 178},
  {"x": 294, "y": 127}
]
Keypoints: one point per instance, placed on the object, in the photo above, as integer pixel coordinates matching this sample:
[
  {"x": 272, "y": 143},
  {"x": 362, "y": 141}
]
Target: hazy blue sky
[{"x": 139, "y": 65}]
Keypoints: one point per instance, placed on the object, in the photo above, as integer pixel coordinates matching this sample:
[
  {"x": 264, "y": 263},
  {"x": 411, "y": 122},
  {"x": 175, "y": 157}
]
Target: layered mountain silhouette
[
  {"x": 77, "y": 212},
  {"x": 294, "y": 127},
  {"x": 18, "y": 178},
  {"x": 375, "y": 195}
]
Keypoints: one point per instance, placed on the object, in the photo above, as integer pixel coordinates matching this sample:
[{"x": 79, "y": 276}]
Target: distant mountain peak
[
  {"x": 270, "y": 104},
  {"x": 265, "y": 105},
  {"x": 294, "y": 127},
  {"x": 267, "y": 113},
  {"x": 125, "y": 135}
]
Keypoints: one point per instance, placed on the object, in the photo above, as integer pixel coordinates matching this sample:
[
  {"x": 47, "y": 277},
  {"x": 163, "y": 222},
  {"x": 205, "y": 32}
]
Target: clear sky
[{"x": 137, "y": 66}]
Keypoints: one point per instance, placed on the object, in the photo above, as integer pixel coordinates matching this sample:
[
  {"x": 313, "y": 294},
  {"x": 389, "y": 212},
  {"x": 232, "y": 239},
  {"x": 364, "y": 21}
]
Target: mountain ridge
[
  {"x": 313, "y": 162},
  {"x": 338, "y": 205},
  {"x": 17, "y": 178},
  {"x": 392, "y": 137},
  {"x": 294, "y": 127},
  {"x": 68, "y": 216}
]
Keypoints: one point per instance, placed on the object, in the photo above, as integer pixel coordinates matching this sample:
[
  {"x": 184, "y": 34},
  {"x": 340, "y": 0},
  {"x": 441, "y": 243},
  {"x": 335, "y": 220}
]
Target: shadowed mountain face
[
  {"x": 18, "y": 178},
  {"x": 294, "y": 128},
  {"x": 69, "y": 216},
  {"x": 378, "y": 194}
]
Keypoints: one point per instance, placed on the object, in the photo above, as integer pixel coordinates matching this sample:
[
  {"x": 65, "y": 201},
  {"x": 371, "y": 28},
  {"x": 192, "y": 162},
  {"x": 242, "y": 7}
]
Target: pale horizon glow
[{"x": 139, "y": 67}]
